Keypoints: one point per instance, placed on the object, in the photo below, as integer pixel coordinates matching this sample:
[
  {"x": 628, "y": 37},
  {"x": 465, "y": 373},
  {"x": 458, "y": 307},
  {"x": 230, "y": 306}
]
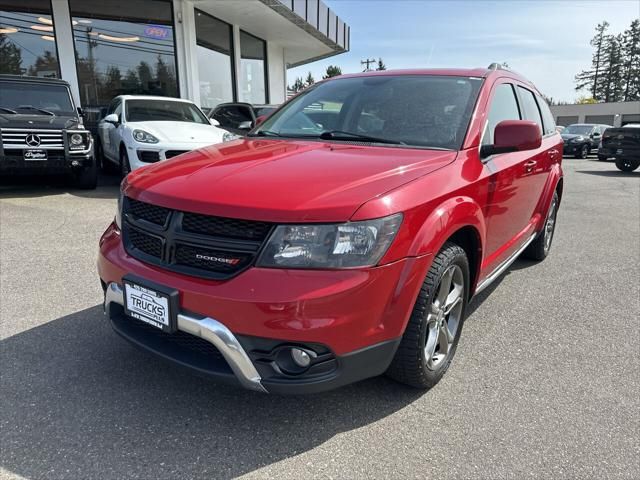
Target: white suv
[{"x": 139, "y": 130}]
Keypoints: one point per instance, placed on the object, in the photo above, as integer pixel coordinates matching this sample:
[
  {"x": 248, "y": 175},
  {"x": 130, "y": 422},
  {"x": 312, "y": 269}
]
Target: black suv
[
  {"x": 623, "y": 144},
  {"x": 581, "y": 138},
  {"x": 41, "y": 131}
]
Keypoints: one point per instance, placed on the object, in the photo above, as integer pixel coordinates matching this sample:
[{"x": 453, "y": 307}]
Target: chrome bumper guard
[{"x": 212, "y": 331}]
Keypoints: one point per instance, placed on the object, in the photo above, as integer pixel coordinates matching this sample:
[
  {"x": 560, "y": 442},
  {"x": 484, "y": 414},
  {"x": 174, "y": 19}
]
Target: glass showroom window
[
  {"x": 27, "y": 39},
  {"x": 253, "y": 69},
  {"x": 123, "y": 47},
  {"x": 215, "y": 65}
]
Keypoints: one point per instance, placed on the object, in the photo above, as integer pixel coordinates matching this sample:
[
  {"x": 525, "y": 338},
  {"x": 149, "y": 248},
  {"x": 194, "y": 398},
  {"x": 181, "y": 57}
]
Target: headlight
[
  {"x": 577, "y": 140},
  {"x": 79, "y": 141},
  {"x": 354, "y": 244},
  {"x": 228, "y": 136},
  {"x": 118, "y": 218},
  {"x": 76, "y": 139},
  {"x": 144, "y": 137}
]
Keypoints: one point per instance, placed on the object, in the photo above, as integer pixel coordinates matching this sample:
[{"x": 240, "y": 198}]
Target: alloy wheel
[
  {"x": 550, "y": 225},
  {"x": 444, "y": 317}
]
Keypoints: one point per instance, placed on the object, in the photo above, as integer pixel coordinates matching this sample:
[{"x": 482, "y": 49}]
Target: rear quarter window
[{"x": 548, "y": 124}]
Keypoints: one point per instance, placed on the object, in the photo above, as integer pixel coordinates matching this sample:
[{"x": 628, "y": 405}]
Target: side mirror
[
  {"x": 595, "y": 134},
  {"x": 80, "y": 111},
  {"x": 260, "y": 119},
  {"x": 513, "y": 136},
  {"x": 112, "y": 118},
  {"x": 246, "y": 125},
  {"x": 214, "y": 122}
]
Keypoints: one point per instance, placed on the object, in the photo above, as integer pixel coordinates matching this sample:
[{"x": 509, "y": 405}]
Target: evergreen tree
[
  {"x": 631, "y": 62},
  {"x": 591, "y": 79},
  {"x": 145, "y": 76},
  {"x": 165, "y": 77},
  {"x": 298, "y": 85},
  {"x": 611, "y": 86},
  {"x": 332, "y": 71},
  {"x": 46, "y": 63},
  {"x": 381, "y": 65},
  {"x": 310, "y": 80},
  {"x": 10, "y": 56}
]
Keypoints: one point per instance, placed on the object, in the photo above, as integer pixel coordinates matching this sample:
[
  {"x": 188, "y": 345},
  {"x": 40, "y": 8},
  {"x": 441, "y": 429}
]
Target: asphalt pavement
[{"x": 545, "y": 383}]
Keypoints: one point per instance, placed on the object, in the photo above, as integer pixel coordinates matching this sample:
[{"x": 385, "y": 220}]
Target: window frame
[
  {"x": 232, "y": 51},
  {"x": 553, "y": 131},
  {"x": 535, "y": 102},
  {"x": 267, "y": 94}
]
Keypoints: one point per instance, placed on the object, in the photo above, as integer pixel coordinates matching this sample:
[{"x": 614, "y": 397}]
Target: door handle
[
  {"x": 553, "y": 152},
  {"x": 530, "y": 165}
]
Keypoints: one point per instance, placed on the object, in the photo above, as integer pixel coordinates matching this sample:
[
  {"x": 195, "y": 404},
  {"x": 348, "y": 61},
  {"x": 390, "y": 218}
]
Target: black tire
[
  {"x": 125, "y": 167},
  {"x": 87, "y": 178},
  {"x": 410, "y": 364},
  {"x": 105, "y": 165},
  {"x": 583, "y": 152},
  {"x": 539, "y": 249},
  {"x": 627, "y": 165},
  {"x": 602, "y": 158}
]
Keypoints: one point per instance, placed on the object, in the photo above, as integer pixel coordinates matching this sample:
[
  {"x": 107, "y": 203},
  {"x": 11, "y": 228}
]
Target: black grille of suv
[{"x": 191, "y": 243}]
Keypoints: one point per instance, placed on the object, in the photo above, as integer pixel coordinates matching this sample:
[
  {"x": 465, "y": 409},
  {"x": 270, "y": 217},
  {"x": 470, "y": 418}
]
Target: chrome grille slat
[{"x": 15, "y": 138}]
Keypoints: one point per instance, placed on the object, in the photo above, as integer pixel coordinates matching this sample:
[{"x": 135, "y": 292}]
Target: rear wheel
[
  {"x": 540, "y": 247},
  {"x": 125, "y": 166},
  {"x": 602, "y": 158},
  {"x": 627, "y": 165},
  {"x": 583, "y": 152},
  {"x": 431, "y": 337}
]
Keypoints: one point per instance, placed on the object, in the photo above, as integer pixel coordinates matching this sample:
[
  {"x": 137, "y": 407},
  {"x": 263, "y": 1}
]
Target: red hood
[{"x": 281, "y": 181}]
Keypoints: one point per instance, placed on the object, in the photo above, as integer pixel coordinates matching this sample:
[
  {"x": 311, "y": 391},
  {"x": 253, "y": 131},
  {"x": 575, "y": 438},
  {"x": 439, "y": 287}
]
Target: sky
[{"x": 545, "y": 40}]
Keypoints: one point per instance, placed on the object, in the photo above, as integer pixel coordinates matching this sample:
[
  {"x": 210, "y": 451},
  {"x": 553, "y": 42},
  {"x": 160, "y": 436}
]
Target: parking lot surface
[{"x": 545, "y": 383}]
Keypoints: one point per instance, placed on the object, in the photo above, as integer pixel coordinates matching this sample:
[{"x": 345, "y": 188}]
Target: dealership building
[
  {"x": 208, "y": 51},
  {"x": 616, "y": 114}
]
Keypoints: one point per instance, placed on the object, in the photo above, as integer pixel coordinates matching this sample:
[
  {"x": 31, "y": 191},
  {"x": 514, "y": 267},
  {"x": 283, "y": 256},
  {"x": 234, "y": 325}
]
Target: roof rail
[{"x": 497, "y": 66}]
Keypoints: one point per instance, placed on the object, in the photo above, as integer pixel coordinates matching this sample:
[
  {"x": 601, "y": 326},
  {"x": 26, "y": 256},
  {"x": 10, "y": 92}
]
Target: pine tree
[
  {"x": 611, "y": 89},
  {"x": 591, "y": 79},
  {"x": 631, "y": 62},
  {"x": 298, "y": 85},
  {"x": 332, "y": 71},
  {"x": 381, "y": 65},
  {"x": 310, "y": 80},
  {"x": 10, "y": 56}
]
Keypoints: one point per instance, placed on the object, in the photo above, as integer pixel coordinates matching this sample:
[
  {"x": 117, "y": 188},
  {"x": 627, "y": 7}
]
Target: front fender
[{"x": 553, "y": 181}]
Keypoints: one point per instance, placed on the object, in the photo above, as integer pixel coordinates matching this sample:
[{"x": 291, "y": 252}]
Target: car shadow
[
  {"x": 610, "y": 173},
  {"x": 44, "y": 186},
  {"x": 79, "y": 402}
]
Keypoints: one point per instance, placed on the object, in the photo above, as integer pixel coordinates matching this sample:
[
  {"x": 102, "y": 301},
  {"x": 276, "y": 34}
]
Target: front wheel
[
  {"x": 431, "y": 337},
  {"x": 125, "y": 166},
  {"x": 583, "y": 152},
  {"x": 602, "y": 158},
  {"x": 627, "y": 165},
  {"x": 87, "y": 178}
]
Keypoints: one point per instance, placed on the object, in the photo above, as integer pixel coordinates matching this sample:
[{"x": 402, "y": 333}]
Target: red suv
[{"x": 344, "y": 237}]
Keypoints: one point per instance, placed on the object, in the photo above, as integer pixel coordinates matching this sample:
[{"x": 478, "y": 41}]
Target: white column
[
  {"x": 66, "y": 50},
  {"x": 277, "y": 73},
  {"x": 186, "y": 53},
  {"x": 236, "y": 58}
]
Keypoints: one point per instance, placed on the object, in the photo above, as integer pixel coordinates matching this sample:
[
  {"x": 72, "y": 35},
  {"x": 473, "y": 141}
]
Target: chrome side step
[
  {"x": 504, "y": 265},
  {"x": 213, "y": 332}
]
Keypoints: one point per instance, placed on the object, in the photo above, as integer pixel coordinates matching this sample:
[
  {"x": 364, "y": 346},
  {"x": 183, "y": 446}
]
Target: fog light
[
  {"x": 300, "y": 357},
  {"x": 75, "y": 163}
]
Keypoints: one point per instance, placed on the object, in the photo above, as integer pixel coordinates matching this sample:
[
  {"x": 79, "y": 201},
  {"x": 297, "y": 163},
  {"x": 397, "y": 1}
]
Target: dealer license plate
[
  {"x": 152, "y": 304},
  {"x": 35, "y": 155}
]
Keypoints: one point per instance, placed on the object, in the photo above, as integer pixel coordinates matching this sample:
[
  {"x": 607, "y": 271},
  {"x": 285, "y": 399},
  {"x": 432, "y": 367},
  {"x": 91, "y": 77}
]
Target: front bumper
[
  {"x": 13, "y": 163},
  {"x": 141, "y": 154},
  {"x": 572, "y": 148},
  {"x": 351, "y": 319}
]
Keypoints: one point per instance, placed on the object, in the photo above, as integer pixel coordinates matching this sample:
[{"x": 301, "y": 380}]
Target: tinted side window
[
  {"x": 504, "y": 106},
  {"x": 549, "y": 125},
  {"x": 530, "y": 107}
]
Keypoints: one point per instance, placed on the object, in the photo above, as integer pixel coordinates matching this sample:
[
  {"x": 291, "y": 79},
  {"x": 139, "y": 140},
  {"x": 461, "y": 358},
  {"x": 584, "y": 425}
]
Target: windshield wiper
[
  {"x": 343, "y": 135},
  {"x": 265, "y": 133},
  {"x": 8, "y": 110},
  {"x": 31, "y": 107}
]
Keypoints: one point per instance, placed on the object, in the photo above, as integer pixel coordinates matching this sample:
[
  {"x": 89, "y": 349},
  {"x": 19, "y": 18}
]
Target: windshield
[
  {"x": 162, "y": 111},
  {"x": 411, "y": 110},
  {"x": 33, "y": 98},
  {"x": 578, "y": 129}
]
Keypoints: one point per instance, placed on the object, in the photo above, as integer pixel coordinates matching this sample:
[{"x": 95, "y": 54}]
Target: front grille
[
  {"x": 173, "y": 153},
  {"x": 44, "y": 139},
  {"x": 225, "y": 227},
  {"x": 193, "y": 244},
  {"x": 148, "y": 156}
]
